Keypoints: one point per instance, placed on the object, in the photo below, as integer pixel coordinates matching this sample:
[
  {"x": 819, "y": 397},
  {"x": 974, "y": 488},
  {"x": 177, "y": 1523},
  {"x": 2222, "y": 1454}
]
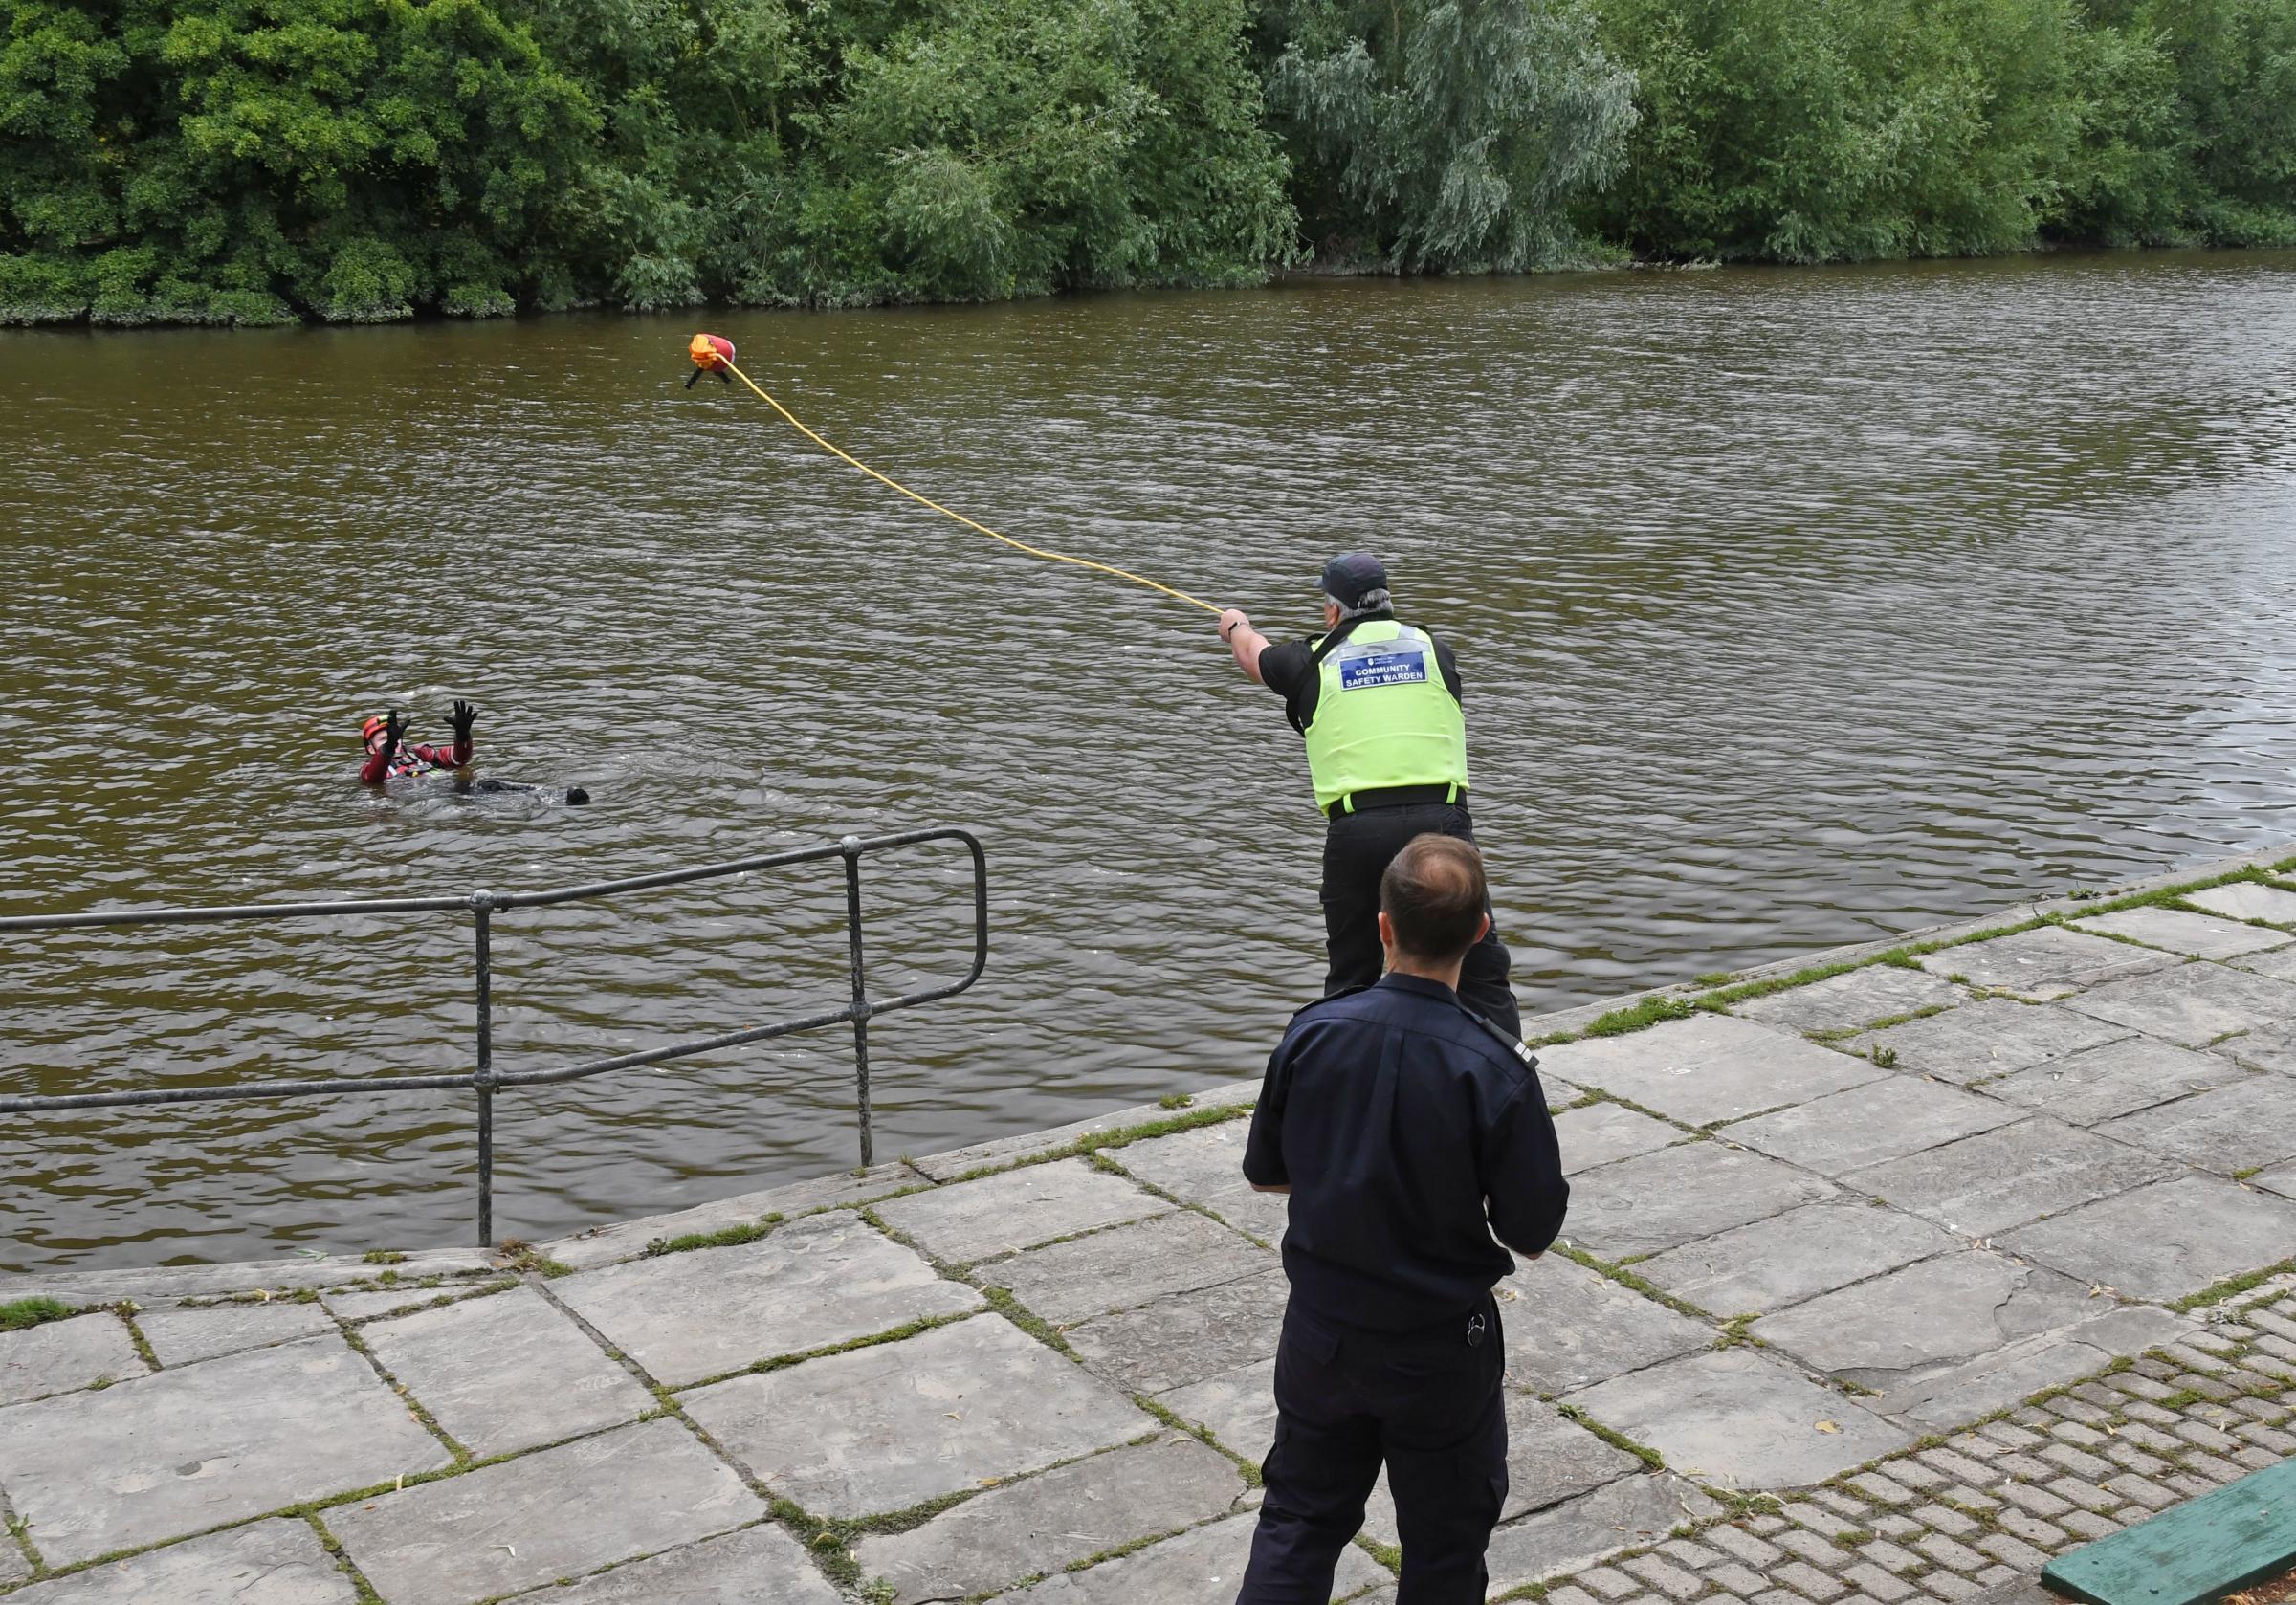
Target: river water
[{"x": 1793, "y": 607}]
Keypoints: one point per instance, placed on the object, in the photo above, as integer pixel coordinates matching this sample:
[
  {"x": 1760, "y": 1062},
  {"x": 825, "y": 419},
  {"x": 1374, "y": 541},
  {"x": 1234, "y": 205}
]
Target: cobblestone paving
[{"x": 1883, "y": 1286}]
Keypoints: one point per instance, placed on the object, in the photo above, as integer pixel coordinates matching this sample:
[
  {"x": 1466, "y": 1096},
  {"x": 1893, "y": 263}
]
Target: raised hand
[{"x": 465, "y": 716}]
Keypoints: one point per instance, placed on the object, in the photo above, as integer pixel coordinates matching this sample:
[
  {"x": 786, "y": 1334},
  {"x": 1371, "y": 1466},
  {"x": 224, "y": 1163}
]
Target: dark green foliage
[
  {"x": 233, "y": 161},
  {"x": 257, "y": 161},
  {"x": 1778, "y": 130},
  {"x": 1450, "y": 134},
  {"x": 1781, "y": 130},
  {"x": 248, "y": 161}
]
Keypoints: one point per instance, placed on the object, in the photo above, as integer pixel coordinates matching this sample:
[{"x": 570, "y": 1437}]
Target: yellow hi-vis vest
[{"x": 1383, "y": 716}]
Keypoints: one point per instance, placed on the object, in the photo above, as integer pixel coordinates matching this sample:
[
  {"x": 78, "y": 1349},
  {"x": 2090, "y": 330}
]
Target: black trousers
[
  {"x": 1357, "y": 850},
  {"x": 1430, "y": 1406}
]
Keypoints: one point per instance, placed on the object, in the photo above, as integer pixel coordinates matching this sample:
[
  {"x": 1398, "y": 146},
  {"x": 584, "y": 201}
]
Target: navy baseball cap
[{"x": 1352, "y": 576}]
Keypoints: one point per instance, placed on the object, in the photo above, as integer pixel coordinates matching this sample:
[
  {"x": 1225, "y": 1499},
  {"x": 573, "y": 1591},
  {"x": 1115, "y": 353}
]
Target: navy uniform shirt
[{"x": 1409, "y": 1135}]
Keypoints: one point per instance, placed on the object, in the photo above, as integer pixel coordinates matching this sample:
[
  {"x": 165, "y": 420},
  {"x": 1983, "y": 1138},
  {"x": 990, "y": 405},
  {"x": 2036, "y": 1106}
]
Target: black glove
[
  {"x": 393, "y": 729},
  {"x": 465, "y": 716}
]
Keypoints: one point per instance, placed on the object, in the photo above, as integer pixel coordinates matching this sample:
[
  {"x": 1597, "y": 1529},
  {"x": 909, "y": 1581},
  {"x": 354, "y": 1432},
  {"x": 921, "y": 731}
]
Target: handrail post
[
  {"x": 482, "y": 907},
  {"x": 850, "y": 848}
]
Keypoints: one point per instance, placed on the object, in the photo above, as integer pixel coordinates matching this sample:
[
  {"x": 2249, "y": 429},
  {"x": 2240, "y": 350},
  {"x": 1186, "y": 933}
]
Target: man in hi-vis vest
[{"x": 1379, "y": 704}]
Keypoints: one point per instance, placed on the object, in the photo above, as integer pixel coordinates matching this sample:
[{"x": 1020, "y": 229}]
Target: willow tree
[{"x": 1448, "y": 135}]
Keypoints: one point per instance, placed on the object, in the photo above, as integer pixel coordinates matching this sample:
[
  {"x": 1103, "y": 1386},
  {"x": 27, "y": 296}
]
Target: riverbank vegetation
[{"x": 257, "y": 161}]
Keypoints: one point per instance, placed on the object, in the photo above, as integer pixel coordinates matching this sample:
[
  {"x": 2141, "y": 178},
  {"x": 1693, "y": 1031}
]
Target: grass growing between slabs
[{"x": 20, "y": 1315}]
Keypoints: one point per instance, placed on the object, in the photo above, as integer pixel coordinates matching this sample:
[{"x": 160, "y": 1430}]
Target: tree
[{"x": 1451, "y": 134}]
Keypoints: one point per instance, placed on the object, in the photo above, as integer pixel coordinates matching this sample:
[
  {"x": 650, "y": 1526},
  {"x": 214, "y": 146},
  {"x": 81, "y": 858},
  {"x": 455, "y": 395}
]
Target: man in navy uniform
[
  {"x": 1413, "y": 1138},
  {"x": 1379, "y": 703}
]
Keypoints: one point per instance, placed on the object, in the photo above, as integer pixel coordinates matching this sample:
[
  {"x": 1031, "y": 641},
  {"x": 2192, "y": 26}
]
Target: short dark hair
[{"x": 1433, "y": 894}]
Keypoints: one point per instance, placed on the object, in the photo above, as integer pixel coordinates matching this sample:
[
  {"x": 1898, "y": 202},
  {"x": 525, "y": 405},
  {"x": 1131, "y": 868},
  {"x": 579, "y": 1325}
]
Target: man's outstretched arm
[{"x": 1245, "y": 642}]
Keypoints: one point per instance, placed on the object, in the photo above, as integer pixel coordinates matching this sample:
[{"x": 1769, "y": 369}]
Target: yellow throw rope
[{"x": 1018, "y": 546}]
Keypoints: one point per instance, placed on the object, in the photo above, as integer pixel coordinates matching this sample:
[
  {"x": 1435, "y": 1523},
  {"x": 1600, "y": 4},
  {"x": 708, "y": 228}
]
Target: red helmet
[{"x": 373, "y": 728}]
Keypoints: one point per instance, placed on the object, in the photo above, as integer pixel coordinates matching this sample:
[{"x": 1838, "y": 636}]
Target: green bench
[{"x": 2199, "y": 1551}]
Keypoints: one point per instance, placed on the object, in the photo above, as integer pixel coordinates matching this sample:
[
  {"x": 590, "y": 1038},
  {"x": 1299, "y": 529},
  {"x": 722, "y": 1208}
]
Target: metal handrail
[{"x": 484, "y": 906}]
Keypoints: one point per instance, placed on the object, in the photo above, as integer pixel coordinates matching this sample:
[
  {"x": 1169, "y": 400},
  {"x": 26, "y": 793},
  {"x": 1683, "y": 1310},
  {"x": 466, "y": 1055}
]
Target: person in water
[{"x": 391, "y": 756}]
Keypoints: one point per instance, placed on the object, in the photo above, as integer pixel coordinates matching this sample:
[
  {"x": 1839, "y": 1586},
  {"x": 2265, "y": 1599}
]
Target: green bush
[{"x": 244, "y": 162}]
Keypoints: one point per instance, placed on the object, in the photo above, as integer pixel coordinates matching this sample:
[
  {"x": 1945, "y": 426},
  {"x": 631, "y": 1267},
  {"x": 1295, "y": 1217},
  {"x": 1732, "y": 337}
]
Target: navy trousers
[
  {"x": 1429, "y": 1405},
  {"x": 1357, "y": 849}
]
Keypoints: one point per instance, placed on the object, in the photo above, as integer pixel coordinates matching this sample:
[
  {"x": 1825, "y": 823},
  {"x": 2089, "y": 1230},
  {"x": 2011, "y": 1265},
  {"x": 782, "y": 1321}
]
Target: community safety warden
[
  {"x": 1409, "y": 1135},
  {"x": 1379, "y": 703}
]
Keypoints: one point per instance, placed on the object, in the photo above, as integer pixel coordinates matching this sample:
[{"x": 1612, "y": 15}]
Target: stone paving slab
[
  {"x": 14, "y": 1567},
  {"x": 265, "y": 1563},
  {"x": 1205, "y": 1167},
  {"x": 60, "y": 1357},
  {"x": 2044, "y": 963},
  {"x": 1237, "y": 1405},
  {"x": 154, "y": 1285},
  {"x": 626, "y": 1240},
  {"x": 182, "y": 1451},
  {"x": 1629, "y": 1513},
  {"x": 1844, "y": 1002},
  {"x": 2279, "y": 1179},
  {"x": 1709, "y": 1067},
  {"x": 968, "y": 1221},
  {"x": 181, "y": 1336},
  {"x": 757, "y": 1566},
  {"x": 2166, "y": 1240},
  {"x": 2242, "y": 1127},
  {"x": 1957, "y": 1395},
  {"x": 2194, "y": 1003},
  {"x": 1885, "y": 1119},
  {"x": 557, "y": 1514},
  {"x": 1599, "y": 1134},
  {"x": 952, "y": 1164},
  {"x": 2279, "y": 965},
  {"x": 1770, "y": 1264},
  {"x": 1128, "y": 1266},
  {"x": 1044, "y": 1523},
  {"x": 1567, "y": 1327},
  {"x": 506, "y": 1372},
  {"x": 1679, "y": 1194},
  {"x": 824, "y": 1280},
  {"x": 1187, "y": 1337},
  {"x": 1982, "y": 1040},
  {"x": 1199, "y": 1567},
  {"x": 354, "y": 1306},
  {"x": 2120, "y": 1078},
  {"x": 2247, "y": 900},
  {"x": 892, "y": 1425},
  {"x": 2194, "y": 936},
  {"x": 2008, "y": 1176},
  {"x": 1737, "y": 1418},
  {"x": 1940, "y": 1312},
  {"x": 2273, "y": 1049}
]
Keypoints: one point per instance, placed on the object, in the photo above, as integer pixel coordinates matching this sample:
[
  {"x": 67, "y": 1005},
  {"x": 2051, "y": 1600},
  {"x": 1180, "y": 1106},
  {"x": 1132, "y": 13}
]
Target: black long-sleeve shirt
[{"x": 1410, "y": 1136}]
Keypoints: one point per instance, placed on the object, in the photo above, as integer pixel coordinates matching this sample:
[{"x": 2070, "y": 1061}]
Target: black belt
[{"x": 1395, "y": 797}]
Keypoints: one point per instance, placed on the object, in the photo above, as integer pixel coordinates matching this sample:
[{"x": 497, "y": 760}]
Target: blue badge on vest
[{"x": 1405, "y": 667}]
